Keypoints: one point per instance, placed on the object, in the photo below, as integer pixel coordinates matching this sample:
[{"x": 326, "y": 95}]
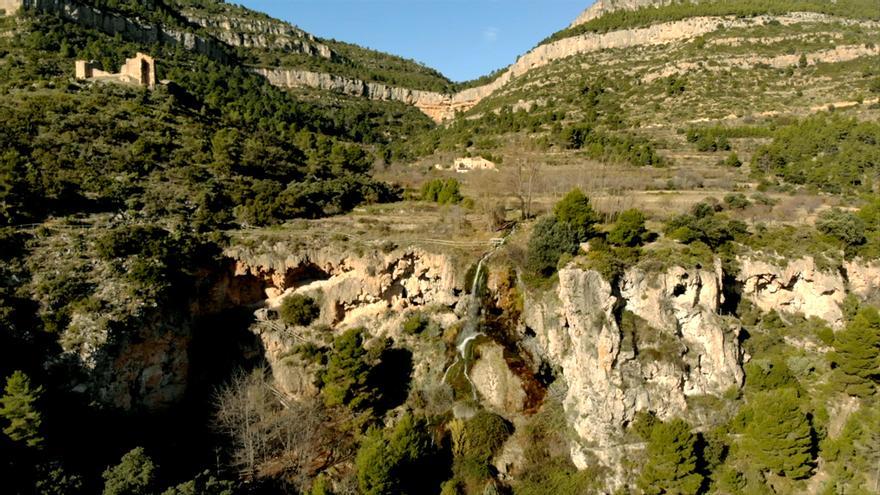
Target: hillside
[{"x": 644, "y": 258}]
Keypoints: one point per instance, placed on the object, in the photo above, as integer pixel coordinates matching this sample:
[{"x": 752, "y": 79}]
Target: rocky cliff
[
  {"x": 442, "y": 107},
  {"x": 131, "y": 29},
  {"x": 438, "y": 106},
  {"x": 376, "y": 290},
  {"x": 799, "y": 286},
  {"x": 643, "y": 346},
  {"x": 602, "y": 7},
  {"x": 259, "y": 33}
]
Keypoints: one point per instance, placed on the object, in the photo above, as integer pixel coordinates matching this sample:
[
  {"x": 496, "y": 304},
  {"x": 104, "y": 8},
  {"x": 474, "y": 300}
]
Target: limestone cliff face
[
  {"x": 442, "y": 107},
  {"x": 685, "y": 349},
  {"x": 799, "y": 286},
  {"x": 438, "y": 106},
  {"x": 266, "y": 34},
  {"x": 602, "y": 7},
  {"x": 130, "y": 29},
  {"x": 142, "y": 368},
  {"x": 374, "y": 289}
]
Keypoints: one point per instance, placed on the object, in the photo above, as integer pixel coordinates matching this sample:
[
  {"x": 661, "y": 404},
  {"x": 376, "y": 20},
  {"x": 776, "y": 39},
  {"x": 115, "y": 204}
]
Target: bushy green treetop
[
  {"x": 629, "y": 229},
  {"x": 672, "y": 460},
  {"x": 17, "y": 406},
  {"x": 345, "y": 378},
  {"x": 856, "y": 355},
  {"x": 778, "y": 436},
  {"x": 396, "y": 461},
  {"x": 134, "y": 475}
]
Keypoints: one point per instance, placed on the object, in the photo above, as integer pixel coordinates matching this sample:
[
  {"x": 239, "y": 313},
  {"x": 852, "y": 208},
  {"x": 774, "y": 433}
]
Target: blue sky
[{"x": 463, "y": 39}]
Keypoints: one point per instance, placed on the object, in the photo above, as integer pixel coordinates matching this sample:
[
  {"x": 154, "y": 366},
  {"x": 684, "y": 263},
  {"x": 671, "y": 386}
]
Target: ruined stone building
[
  {"x": 140, "y": 71},
  {"x": 10, "y": 7}
]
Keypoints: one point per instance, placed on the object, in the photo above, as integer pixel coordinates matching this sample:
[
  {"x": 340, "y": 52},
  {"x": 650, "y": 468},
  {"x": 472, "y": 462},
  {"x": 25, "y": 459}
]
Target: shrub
[
  {"x": 732, "y": 160},
  {"x": 769, "y": 375},
  {"x": 480, "y": 439},
  {"x": 397, "y": 461},
  {"x": 550, "y": 239},
  {"x": 704, "y": 225},
  {"x": 134, "y": 475},
  {"x": 846, "y": 227},
  {"x": 300, "y": 310},
  {"x": 416, "y": 324},
  {"x": 736, "y": 201},
  {"x": 442, "y": 191},
  {"x": 484, "y": 435},
  {"x": 629, "y": 229},
  {"x": 708, "y": 139}
]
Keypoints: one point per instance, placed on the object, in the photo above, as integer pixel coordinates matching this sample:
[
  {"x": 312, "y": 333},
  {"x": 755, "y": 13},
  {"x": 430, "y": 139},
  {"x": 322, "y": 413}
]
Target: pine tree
[
  {"x": 778, "y": 437},
  {"x": 17, "y": 407},
  {"x": 397, "y": 461},
  {"x": 857, "y": 355},
  {"x": 134, "y": 475},
  {"x": 672, "y": 460},
  {"x": 345, "y": 380}
]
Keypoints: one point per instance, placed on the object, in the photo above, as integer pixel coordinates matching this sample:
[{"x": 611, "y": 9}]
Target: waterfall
[{"x": 470, "y": 331}]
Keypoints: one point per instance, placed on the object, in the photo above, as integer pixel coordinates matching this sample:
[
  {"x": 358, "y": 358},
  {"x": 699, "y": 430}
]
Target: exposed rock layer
[
  {"x": 685, "y": 349},
  {"x": 130, "y": 29},
  {"x": 268, "y": 34},
  {"x": 441, "y": 106}
]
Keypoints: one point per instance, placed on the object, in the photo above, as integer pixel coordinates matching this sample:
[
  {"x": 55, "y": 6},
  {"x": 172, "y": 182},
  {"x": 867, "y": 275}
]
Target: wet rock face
[{"x": 496, "y": 384}]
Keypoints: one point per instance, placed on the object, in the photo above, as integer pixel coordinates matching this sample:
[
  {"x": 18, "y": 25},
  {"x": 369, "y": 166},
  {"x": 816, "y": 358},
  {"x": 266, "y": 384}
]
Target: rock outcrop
[
  {"x": 496, "y": 384},
  {"x": 375, "y": 290},
  {"x": 795, "y": 287},
  {"x": 131, "y": 29},
  {"x": 438, "y": 106},
  {"x": 269, "y": 34},
  {"x": 801, "y": 287},
  {"x": 602, "y": 7},
  {"x": 680, "y": 348}
]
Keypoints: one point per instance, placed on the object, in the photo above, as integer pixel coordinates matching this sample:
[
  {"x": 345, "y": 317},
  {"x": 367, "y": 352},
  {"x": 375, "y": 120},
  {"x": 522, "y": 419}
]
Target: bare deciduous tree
[
  {"x": 523, "y": 175},
  {"x": 271, "y": 435}
]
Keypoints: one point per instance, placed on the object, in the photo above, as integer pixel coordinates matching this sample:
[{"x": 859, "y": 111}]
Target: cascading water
[{"x": 471, "y": 329}]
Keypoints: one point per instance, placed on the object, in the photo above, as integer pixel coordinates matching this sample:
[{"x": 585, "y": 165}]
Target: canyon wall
[
  {"x": 269, "y": 34},
  {"x": 645, "y": 345},
  {"x": 442, "y": 107}
]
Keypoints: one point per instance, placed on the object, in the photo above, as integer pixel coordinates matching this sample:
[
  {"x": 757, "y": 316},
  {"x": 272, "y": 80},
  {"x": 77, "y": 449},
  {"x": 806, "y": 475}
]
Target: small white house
[{"x": 464, "y": 165}]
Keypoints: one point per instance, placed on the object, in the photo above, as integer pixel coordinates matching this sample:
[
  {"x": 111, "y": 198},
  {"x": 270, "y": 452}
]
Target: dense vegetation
[
  {"x": 216, "y": 139},
  {"x": 827, "y": 152}
]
